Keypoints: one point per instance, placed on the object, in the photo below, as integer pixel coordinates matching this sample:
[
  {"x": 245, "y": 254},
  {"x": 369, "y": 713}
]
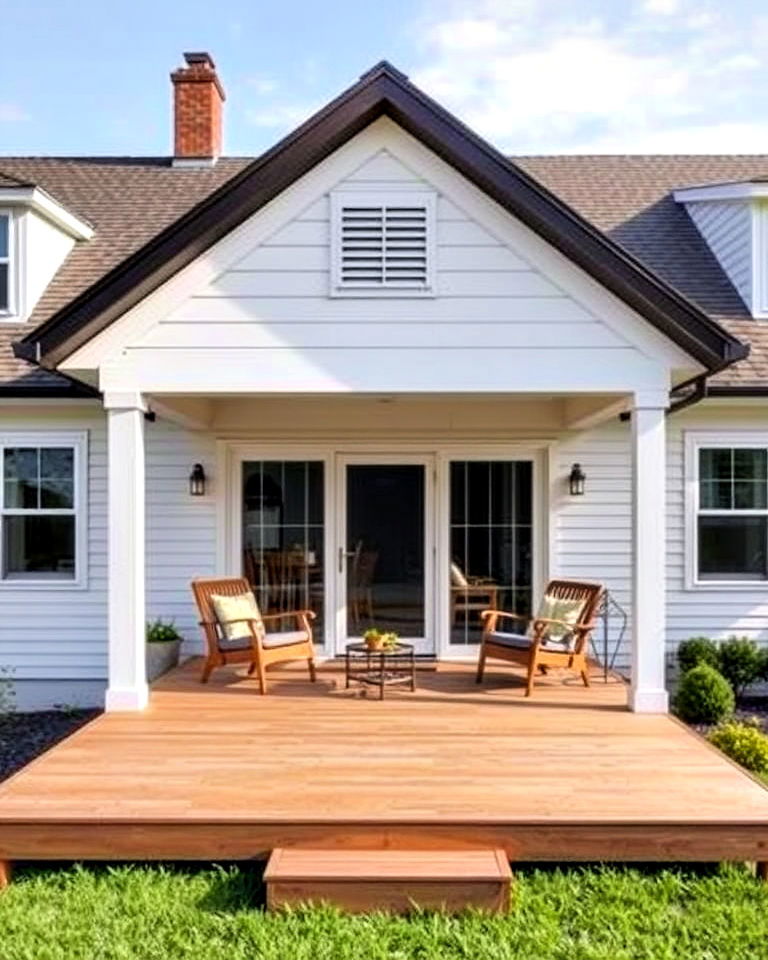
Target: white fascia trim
[
  {"x": 38, "y": 200},
  {"x": 721, "y": 191}
]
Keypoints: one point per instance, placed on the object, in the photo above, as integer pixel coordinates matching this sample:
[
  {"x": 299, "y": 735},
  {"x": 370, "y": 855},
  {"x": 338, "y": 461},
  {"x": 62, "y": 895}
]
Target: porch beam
[
  {"x": 127, "y": 688},
  {"x": 648, "y": 692}
]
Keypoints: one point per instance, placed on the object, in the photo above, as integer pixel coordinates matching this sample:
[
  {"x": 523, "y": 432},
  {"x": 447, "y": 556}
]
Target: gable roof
[{"x": 381, "y": 91}]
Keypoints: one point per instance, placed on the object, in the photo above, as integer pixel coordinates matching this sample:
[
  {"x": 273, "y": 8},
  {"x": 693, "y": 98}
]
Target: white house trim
[
  {"x": 127, "y": 688},
  {"x": 694, "y": 440},
  {"x": 34, "y": 198},
  {"x": 78, "y": 441},
  {"x": 648, "y": 693}
]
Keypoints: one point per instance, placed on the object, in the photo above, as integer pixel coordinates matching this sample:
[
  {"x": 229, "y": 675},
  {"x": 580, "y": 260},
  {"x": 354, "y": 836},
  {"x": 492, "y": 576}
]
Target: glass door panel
[
  {"x": 283, "y": 536},
  {"x": 383, "y": 557},
  {"x": 491, "y": 542}
]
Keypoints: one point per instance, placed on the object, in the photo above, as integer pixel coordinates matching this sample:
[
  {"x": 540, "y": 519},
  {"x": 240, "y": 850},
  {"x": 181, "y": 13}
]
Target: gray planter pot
[{"x": 161, "y": 657}]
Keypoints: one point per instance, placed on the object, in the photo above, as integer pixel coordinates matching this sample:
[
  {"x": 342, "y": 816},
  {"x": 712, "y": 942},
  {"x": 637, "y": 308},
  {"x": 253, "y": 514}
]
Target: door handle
[{"x": 344, "y": 553}]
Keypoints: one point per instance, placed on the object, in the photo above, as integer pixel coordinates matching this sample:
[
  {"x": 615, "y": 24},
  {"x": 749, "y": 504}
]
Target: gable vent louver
[{"x": 384, "y": 246}]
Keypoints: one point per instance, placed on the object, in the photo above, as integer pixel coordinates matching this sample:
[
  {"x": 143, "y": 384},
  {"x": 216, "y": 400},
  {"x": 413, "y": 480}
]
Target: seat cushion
[
  {"x": 231, "y": 612},
  {"x": 284, "y": 639},
  {"x": 517, "y": 640},
  {"x": 231, "y": 646}
]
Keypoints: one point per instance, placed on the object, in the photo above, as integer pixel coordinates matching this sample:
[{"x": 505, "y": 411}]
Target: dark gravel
[{"x": 24, "y": 736}]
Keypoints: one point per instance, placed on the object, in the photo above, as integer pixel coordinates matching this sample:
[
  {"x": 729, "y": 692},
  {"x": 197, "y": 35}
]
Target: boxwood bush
[
  {"x": 740, "y": 661},
  {"x": 697, "y": 650},
  {"x": 743, "y": 742},
  {"x": 704, "y": 696}
]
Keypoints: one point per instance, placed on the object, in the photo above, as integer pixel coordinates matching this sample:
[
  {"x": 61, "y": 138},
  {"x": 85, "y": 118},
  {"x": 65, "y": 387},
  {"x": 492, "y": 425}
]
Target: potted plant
[
  {"x": 380, "y": 640},
  {"x": 163, "y": 647}
]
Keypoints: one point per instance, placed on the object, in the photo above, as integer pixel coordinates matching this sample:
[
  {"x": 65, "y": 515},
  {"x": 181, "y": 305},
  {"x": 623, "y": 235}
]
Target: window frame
[
  {"x": 391, "y": 290},
  {"x": 695, "y": 441},
  {"x": 11, "y": 312},
  {"x": 77, "y": 441}
]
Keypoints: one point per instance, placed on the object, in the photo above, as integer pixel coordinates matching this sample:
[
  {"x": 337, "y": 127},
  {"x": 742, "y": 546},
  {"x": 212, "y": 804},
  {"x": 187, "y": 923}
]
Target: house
[{"x": 381, "y": 339}]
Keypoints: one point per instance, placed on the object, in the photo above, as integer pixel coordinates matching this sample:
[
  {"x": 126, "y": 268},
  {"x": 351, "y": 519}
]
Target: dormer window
[
  {"x": 6, "y": 264},
  {"x": 382, "y": 244}
]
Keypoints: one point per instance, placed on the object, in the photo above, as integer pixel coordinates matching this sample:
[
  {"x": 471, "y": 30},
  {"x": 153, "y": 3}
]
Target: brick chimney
[{"x": 197, "y": 99}]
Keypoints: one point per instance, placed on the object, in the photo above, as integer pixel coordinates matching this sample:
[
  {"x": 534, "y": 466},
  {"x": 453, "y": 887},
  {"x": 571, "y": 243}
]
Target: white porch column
[
  {"x": 649, "y": 475},
  {"x": 127, "y": 689}
]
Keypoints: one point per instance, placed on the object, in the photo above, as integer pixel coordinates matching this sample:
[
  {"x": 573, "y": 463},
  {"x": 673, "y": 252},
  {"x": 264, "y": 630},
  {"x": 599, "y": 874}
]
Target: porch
[{"x": 219, "y": 772}]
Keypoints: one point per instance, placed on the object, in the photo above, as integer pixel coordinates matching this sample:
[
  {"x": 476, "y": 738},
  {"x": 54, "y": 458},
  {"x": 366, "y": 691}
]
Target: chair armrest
[
  {"x": 309, "y": 614},
  {"x": 505, "y": 615}
]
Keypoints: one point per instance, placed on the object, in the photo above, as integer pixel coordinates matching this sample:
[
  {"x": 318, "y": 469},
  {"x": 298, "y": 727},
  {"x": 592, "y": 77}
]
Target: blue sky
[{"x": 534, "y": 76}]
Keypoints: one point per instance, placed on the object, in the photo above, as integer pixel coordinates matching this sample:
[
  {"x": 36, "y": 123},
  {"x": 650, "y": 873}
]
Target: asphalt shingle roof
[{"x": 130, "y": 200}]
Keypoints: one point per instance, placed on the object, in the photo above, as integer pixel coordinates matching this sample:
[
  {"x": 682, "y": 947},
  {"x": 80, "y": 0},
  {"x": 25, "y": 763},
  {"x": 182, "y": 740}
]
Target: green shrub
[
  {"x": 697, "y": 650},
  {"x": 158, "y": 631},
  {"x": 743, "y": 742},
  {"x": 740, "y": 661},
  {"x": 763, "y": 664},
  {"x": 704, "y": 696}
]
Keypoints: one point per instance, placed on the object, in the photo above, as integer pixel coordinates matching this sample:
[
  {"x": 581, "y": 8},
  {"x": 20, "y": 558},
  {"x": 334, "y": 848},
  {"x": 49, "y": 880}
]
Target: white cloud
[
  {"x": 281, "y": 116},
  {"x": 12, "y": 113},
  {"x": 665, "y": 7},
  {"x": 541, "y": 77}
]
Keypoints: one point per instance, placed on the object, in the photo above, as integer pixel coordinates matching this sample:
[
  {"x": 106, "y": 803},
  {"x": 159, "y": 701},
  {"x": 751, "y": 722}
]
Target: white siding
[
  {"x": 46, "y": 248},
  {"x": 591, "y": 534},
  {"x": 727, "y": 228},
  {"x": 181, "y": 529},
  {"x": 59, "y": 633}
]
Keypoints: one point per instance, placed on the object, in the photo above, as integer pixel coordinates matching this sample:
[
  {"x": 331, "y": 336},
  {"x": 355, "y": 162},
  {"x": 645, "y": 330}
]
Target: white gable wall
[{"x": 253, "y": 314}]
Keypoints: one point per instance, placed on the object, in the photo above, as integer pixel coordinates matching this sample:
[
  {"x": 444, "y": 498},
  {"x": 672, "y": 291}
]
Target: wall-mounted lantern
[
  {"x": 197, "y": 481},
  {"x": 576, "y": 480}
]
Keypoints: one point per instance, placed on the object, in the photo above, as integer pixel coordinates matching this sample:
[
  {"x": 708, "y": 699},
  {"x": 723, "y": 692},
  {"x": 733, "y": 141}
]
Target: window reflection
[
  {"x": 283, "y": 536},
  {"x": 491, "y": 542}
]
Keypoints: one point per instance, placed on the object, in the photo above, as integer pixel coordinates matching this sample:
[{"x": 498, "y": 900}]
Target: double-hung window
[
  {"x": 730, "y": 507},
  {"x": 42, "y": 513}
]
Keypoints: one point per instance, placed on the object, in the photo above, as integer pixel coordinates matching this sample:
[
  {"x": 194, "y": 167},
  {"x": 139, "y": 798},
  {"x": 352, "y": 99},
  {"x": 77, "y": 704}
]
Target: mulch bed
[{"x": 24, "y": 736}]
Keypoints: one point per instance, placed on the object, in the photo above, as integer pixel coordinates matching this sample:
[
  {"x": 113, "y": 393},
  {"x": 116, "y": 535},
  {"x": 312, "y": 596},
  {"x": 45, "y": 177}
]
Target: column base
[
  {"x": 126, "y": 698},
  {"x": 649, "y": 701}
]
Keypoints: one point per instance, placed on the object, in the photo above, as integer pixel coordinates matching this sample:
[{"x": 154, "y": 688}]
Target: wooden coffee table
[{"x": 391, "y": 667}]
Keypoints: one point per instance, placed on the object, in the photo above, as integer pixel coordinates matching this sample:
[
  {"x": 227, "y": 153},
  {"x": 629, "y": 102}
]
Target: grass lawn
[{"x": 149, "y": 913}]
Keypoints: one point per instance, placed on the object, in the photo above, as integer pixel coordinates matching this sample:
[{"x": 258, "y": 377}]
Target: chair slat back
[
  {"x": 203, "y": 589},
  {"x": 591, "y": 594}
]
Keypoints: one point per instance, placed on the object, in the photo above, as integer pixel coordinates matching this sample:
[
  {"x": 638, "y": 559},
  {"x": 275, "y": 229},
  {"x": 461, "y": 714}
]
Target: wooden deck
[{"x": 219, "y": 772}]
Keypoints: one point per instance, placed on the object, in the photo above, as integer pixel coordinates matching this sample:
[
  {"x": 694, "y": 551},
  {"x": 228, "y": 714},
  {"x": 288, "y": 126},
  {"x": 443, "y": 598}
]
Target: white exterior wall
[
  {"x": 590, "y": 535},
  {"x": 53, "y": 640},
  {"x": 46, "y": 248},
  {"x": 727, "y": 228}
]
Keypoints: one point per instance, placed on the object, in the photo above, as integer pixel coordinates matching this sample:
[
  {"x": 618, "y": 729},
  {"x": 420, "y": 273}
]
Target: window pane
[
  {"x": 732, "y": 547},
  {"x": 20, "y": 466},
  {"x": 716, "y": 495},
  {"x": 36, "y": 547},
  {"x": 716, "y": 464},
  {"x": 749, "y": 495},
  {"x": 4, "y": 232},
  {"x": 5, "y": 299}
]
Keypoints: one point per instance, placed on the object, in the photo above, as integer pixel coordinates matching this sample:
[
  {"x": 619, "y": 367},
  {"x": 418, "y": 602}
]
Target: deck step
[{"x": 395, "y": 880}]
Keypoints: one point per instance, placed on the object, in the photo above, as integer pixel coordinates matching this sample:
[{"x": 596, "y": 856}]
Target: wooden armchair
[
  {"x": 558, "y": 636},
  {"x": 255, "y": 645},
  {"x": 471, "y": 593}
]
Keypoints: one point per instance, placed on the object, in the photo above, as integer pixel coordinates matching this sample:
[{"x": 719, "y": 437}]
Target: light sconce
[
  {"x": 576, "y": 480},
  {"x": 197, "y": 481}
]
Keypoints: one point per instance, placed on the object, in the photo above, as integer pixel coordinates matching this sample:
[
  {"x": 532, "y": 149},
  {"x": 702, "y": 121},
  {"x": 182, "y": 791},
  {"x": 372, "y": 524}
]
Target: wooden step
[{"x": 395, "y": 880}]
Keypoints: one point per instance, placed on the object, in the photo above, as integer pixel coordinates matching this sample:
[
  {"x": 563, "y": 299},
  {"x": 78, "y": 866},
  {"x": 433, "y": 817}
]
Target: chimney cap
[{"x": 202, "y": 57}]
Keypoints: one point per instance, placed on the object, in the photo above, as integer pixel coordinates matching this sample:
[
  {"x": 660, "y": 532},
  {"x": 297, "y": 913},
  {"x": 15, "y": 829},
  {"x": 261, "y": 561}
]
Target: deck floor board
[{"x": 452, "y": 754}]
